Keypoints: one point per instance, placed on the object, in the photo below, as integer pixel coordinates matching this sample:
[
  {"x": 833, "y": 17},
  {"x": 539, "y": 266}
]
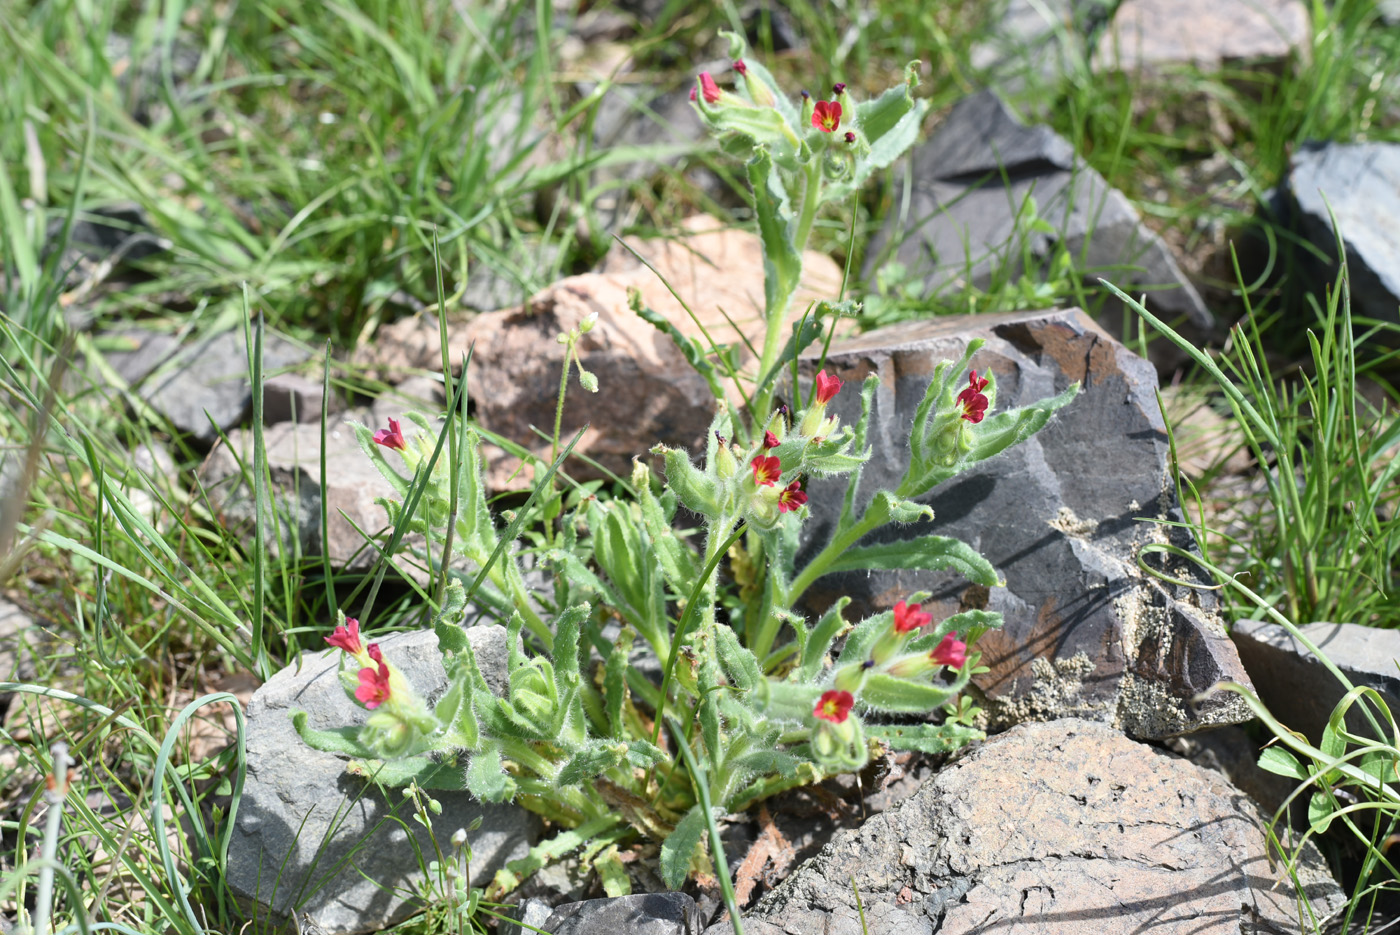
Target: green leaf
[
  {"x": 822, "y": 636},
  {"x": 680, "y": 846},
  {"x": 343, "y": 740},
  {"x": 879, "y": 116},
  {"x": 901, "y": 696},
  {"x": 591, "y": 761},
  {"x": 739, "y": 664},
  {"x": 396, "y": 774},
  {"x": 486, "y": 776},
  {"x": 934, "y": 553},
  {"x": 804, "y": 332},
  {"x": 1280, "y": 761},
  {"x": 694, "y": 354},
  {"x": 782, "y": 264},
  {"x": 696, "y": 489},
  {"x": 1320, "y": 811},
  {"x": 926, "y": 738}
]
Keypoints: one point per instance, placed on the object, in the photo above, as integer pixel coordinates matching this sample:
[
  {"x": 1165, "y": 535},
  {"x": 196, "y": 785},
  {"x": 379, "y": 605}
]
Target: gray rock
[
  {"x": 1087, "y": 633},
  {"x": 1361, "y": 184},
  {"x": 532, "y": 912},
  {"x": 291, "y": 397},
  {"x": 638, "y": 914},
  {"x": 1033, "y": 43},
  {"x": 16, "y": 651},
  {"x": 313, "y": 840},
  {"x": 294, "y": 464},
  {"x": 1067, "y": 828},
  {"x": 204, "y": 387},
  {"x": 1205, "y": 34},
  {"x": 1295, "y": 686},
  {"x": 970, "y": 182}
]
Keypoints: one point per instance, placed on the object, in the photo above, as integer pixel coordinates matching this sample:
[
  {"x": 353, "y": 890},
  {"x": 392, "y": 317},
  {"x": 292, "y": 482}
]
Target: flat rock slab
[
  {"x": 1067, "y": 828},
  {"x": 1360, "y": 182},
  {"x": 1087, "y": 633},
  {"x": 1207, "y": 34},
  {"x": 1296, "y": 687},
  {"x": 202, "y": 388},
  {"x": 313, "y": 840},
  {"x": 971, "y": 180}
]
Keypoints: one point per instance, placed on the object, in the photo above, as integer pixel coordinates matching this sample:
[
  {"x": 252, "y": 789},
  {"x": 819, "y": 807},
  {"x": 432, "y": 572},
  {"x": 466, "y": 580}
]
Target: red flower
[
  {"x": 974, "y": 404},
  {"x": 792, "y": 497},
  {"x": 707, "y": 88},
  {"x": 834, "y": 706},
  {"x": 951, "y": 652},
  {"x": 909, "y": 617},
  {"x": 766, "y": 470},
  {"x": 827, "y": 116},
  {"x": 374, "y": 683},
  {"x": 769, "y": 441},
  {"x": 347, "y": 637},
  {"x": 827, "y": 387},
  {"x": 740, "y": 67},
  {"x": 391, "y": 437}
]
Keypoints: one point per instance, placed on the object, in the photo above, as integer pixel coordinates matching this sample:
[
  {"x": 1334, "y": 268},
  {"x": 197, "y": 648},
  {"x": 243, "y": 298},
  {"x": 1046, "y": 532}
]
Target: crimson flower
[
  {"x": 708, "y": 88},
  {"x": 792, "y": 497},
  {"x": 951, "y": 652},
  {"x": 766, "y": 470},
  {"x": 374, "y": 683},
  {"x": 827, "y": 116},
  {"x": 347, "y": 637},
  {"x": 910, "y": 617},
  {"x": 740, "y": 67},
  {"x": 827, "y": 387},
  {"x": 391, "y": 437},
  {"x": 769, "y": 441},
  {"x": 834, "y": 706},
  {"x": 974, "y": 404}
]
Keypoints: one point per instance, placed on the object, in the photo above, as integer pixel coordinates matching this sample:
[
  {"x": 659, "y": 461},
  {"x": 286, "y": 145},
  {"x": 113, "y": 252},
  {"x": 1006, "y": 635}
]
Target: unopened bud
[
  {"x": 459, "y": 837},
  {"x": 588, "y": 322}
]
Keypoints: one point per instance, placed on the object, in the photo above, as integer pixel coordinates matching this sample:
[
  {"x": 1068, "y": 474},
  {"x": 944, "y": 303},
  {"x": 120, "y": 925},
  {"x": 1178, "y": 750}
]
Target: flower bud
[
  {"x": 910, "y": 666},
  {"x": 726, "y": 465},
  {"x": 588, "y": 322},
  {"x": 459, "y": 837}
]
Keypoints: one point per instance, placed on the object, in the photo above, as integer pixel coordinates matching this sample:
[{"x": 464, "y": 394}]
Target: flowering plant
[{"x": 753, "y": 695}]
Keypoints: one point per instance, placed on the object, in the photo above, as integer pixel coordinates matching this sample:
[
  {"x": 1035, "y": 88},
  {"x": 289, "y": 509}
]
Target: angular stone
[
  {"x": 1087, "y": 633},
  {"x": 648, "y": 393},
  {"x": 1066, "y": 828},
  {"x": 202, "y": 388},
  {"x": 1034, "y": 43},
  {"x": 638, "y": 914},
  {"x": 1204, "y": 33},
  {"x": 291, "y": 397},
  {"x": 16, "y": 653},
  {"x": 312, "y": 839},
  {"x": 1360, "y": 184},
  {"x": 1295, "y": 686},
  {"x": 971, "y": 180}
]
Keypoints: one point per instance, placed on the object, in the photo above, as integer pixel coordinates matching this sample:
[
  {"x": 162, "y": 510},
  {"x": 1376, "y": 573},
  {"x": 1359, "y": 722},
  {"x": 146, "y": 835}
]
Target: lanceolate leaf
[
  {"x": 680, "y": 845},
  {"x": 934, "y": 553},
  {"x": 926, "y": 738},
  {"x": 782, "y": 264}
]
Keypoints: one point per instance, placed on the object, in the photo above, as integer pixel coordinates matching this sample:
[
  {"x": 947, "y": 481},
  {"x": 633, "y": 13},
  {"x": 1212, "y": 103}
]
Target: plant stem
[{"x": 815, "y": 568}]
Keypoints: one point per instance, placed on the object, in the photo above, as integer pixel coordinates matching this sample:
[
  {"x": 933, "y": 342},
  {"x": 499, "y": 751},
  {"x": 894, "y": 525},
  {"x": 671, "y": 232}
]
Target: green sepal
[
  {"x": 738, "y": 50},
  {"x": 925, "y": 738},
  {"x": 681, "y": 844},
  {"x": 697, "y": 490},
  {"x": 932, "y": 553}
]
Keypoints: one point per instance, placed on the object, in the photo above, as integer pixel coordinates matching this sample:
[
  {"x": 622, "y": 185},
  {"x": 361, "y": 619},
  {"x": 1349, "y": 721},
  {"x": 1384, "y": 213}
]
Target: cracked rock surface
[
  {"x": 1063, "y": 517},
  {"x": 1063, "y": 828}
]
